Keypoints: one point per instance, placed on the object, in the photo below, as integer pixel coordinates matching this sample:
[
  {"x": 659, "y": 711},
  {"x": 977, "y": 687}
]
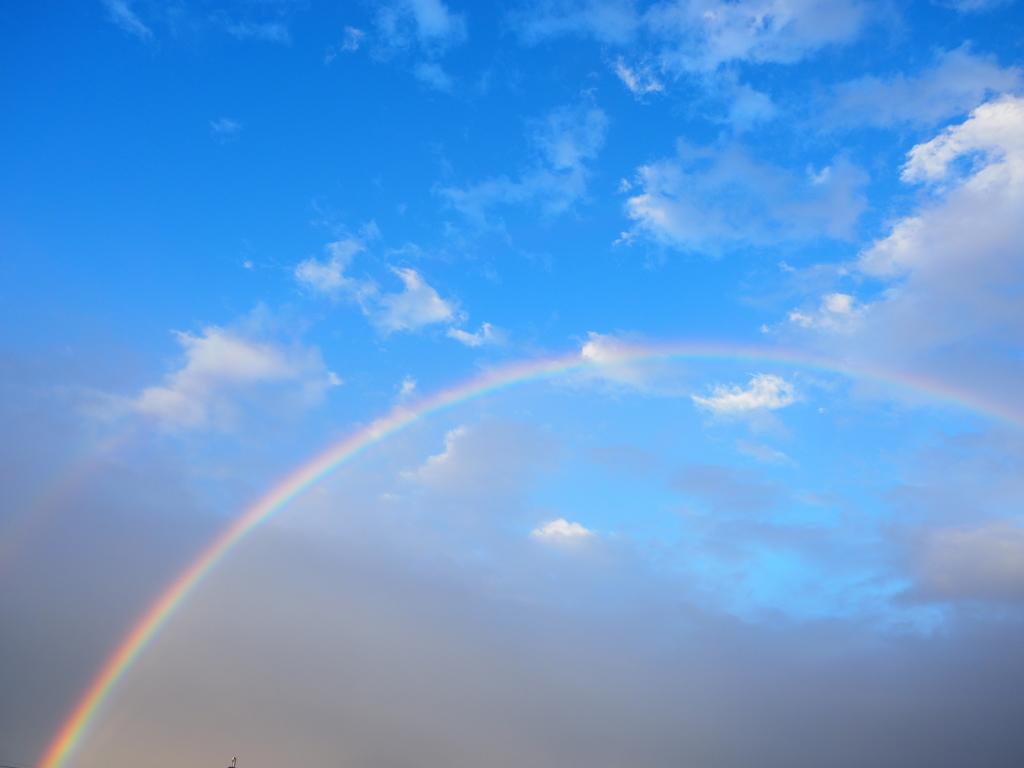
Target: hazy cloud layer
[
  {"x": 951, "y": 269},
  {"x": 715, "y": 198}
]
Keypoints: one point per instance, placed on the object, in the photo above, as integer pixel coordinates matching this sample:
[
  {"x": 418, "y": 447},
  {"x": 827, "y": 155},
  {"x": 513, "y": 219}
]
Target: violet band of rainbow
[{"x": 77, "y": 724}]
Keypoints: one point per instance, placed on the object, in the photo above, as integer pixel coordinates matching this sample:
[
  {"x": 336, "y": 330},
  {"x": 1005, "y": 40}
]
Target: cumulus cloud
[
  {"x": 561, "y": 531},
  {"x": 415, "y": 306},
  {"x": 565, "y": 140},
  {"x": 711, "y": 198},
  {"x": 765, "y": 391},
  {"x": 951, "y": 271},
  {"x": 611, "y": 354},
  {"x": 957, "y": 83},
  {"x": 121, "y": 13},
  {"x": 617, "y": 362},
  {"x": 837, "y": 312},
  {"x": 329, "y": 276},
  {"x": 492, "y": 458},
  {"x": 220, "y": 366}
]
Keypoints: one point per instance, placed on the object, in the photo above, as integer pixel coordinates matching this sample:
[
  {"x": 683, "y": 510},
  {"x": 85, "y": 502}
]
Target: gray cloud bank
[
  {"x": 402, "y": 614},
  {"x": 301, "y": 653}
]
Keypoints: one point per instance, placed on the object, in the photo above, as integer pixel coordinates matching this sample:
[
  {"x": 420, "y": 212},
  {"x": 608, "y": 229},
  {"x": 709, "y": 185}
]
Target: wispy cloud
[
  {"x": 225, "y": 129},
  {"x": 417, "y": 305},
  {"x": 271, "y": 32},
  {"x": 639, "y": 79},
  {"x": 763, "y": 453},
  {"x": 430, "y": 24},
  {"x": 957, "y": 83},
  {"x": 702, "y": 35},
  {"x": 487, "y": 334},
  {"x": 566, "y": 140},
  {"x": 714, "y": 198},
  {"x": 121, "y": 13},
  {"x": 421, "y": 30},
  {"x": 350, "y": 43}
]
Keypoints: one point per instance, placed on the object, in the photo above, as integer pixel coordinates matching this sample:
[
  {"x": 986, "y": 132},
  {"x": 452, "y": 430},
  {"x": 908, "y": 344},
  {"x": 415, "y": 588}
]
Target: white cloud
[
  {"x": 565, "y": 140},
  {"x": 220, "y": 366},
  {"x": 329, "y": 276},
  {"x": 414, "y": 307},
  {"x": 992, "y": 135},
  {"x": 615, "y": 366},
  {"x": 603, "y": 348},
  {"x": 408, "y": 388},
  {"x": 427, "y": 23},
  {"x": 710, "y": 198},
  {"x": 765, "y": 391},
  {"x": 985, "y": 562},
  {"x": 487, "y": 334},
  {"x": 610, "y": 353},
  {"x": 952, "y": 271},
  {"x": 957, "y": 83},
  {"x": 353, "y": 37},
  {"x": 121, "y": 13},
  {"x": 838, "y": 312},
  {"x": 493, "y": 458},
  {"x": 561, "y": 531},
  {"x": 350, "y": 43},
  {"x": 703, "y": 35},
  {"x": 431, "y": 73},
  {"x": 640, "y": 80}
]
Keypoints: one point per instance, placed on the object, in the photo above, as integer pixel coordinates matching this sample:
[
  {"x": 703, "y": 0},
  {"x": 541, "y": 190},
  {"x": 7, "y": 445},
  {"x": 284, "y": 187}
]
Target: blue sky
[{"x": 233, "y": 232}]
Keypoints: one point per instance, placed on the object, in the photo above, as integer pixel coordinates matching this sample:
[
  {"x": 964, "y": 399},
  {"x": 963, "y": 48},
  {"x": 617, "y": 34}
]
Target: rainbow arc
[{"x": 156, "y": 616}]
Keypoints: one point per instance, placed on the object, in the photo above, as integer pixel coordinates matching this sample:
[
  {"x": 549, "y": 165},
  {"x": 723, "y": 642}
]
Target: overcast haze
[{"x": 234, "y": 232}]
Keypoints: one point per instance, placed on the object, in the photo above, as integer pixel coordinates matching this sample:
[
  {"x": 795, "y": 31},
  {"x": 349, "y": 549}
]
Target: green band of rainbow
[{"x": 156, "y": 616}]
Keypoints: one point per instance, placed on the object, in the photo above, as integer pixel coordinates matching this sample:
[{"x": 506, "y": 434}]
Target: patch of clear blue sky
[
  {"x": 125, "y": 214},
  {"x": 118, "y": 194}
]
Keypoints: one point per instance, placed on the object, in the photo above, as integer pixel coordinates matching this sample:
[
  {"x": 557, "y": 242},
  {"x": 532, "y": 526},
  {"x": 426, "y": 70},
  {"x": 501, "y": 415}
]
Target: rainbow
[{"x": 593, "y": 358}]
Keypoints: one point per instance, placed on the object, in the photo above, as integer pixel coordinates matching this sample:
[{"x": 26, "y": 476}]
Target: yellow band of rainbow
[{"x": 156, "y": 616}]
